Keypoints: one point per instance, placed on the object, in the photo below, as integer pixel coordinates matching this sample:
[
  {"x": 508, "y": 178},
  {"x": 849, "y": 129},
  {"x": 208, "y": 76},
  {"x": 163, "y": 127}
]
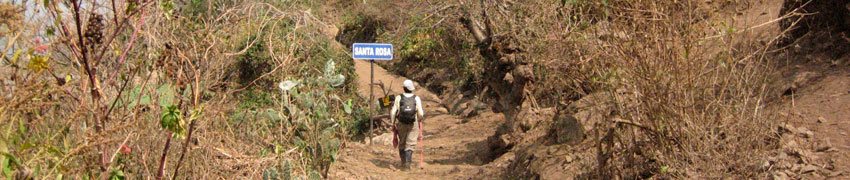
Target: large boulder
[
  {"x": 567, "y": 129},
  {"x": 383, "y": 139},
  {"x": 531, "y": 118},
  {"x": 798, "y": 81},
  {"x": 573, "y": 122},
  {"x": 591, "y": 109}
]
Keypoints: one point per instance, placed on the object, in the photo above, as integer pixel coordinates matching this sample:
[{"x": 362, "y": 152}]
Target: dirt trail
[
  {"x": 822, "y": 107},
  {"x": 820, "y": 104},
  {"x": 451, "y": 145}
]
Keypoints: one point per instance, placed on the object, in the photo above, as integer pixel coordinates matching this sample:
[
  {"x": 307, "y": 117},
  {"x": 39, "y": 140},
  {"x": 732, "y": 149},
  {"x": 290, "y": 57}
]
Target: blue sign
[{"x": 372, "y": 51}]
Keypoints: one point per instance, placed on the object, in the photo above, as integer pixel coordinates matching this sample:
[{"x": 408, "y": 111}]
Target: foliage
[
  {"x": 430, "y": 48},
  {"x": 312, "y": 114},
  {"x": 187, "y": 67},
  {"x": 254, "y": 62},
  {"x": 37, "y": 63},
  {"x": 331, "y": 76},
  {"x": 255, "y": 99},
  {"x": 172, "y": 120},
  {"x": 417, "y": 45}
]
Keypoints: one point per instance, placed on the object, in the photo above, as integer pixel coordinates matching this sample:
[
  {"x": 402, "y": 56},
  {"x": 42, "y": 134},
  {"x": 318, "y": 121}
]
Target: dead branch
[
  {"x": 164, "y": 155},
  {"x": 383, "y": 87},
  {"x": 473, "y": 27},
  {"x": 636, "y": 124},
  {"x": 185, "y": 148},
  {"x": 124, "y": 54},
  {"x": 488, "y": 25}
]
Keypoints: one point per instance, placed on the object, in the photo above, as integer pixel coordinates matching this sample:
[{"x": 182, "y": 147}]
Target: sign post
[
  {"x": 371, "y": 52},
  {"x": 371, "y": 94}
]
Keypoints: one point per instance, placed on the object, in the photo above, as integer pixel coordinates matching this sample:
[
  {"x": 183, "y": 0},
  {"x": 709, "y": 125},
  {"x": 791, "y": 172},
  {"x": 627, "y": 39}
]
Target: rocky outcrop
[
  {"x": 567, "y": 129},
  {"x": 507, "y": 71},
  {"x": 792, "y": 84},
  {"x": 549, "y": 142},
  {"x": 592, "y": 109},
  {"x": 464, "y": 104}
]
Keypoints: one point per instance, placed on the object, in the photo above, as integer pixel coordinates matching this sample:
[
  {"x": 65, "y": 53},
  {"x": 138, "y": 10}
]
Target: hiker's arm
[
  {"x": 419, "y": 108},
  {"x": 394, "y": 109}
]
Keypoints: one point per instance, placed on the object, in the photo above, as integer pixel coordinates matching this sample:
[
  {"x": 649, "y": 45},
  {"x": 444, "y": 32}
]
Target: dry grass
[
  {"x": 691, "y": 84},
  {"x": 688, "y": 105},
  {"x": 697, "y": 99},
  {"x": 219, "y": 59}
]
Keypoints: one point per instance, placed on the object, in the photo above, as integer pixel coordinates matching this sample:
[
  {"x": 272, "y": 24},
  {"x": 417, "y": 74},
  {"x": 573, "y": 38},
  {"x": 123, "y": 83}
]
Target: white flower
[{"x": 287, "y": 85}]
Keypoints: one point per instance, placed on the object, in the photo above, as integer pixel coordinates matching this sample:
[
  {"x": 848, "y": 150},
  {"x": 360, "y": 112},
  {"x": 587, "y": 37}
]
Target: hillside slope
[{"x": 452, "y": 146}]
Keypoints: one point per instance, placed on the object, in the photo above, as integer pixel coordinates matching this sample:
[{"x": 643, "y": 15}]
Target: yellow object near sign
[{"x": 387, "y": 101}]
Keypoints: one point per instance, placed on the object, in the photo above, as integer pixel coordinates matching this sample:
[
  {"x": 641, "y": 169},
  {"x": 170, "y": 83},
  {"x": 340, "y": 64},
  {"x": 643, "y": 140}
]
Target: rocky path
[
  {"x": 452, "y": 146},
  {"x": 814, "y": 117},
  {"x": 815, "y": 142}
]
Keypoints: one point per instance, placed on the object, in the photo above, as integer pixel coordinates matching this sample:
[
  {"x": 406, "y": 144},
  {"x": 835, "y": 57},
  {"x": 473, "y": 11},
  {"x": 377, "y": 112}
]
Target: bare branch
[
  {"x": 130, "y": 45},
  {"x": 472, "y": 26}
]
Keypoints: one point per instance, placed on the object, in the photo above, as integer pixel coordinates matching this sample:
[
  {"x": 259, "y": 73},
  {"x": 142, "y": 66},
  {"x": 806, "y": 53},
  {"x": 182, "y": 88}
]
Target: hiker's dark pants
[{"x": 408, "y": 134}]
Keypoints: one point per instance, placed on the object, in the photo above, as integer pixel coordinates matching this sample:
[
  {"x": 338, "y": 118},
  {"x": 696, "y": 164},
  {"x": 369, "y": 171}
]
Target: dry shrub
[
  {"x": 252, "y": 129},
  {"x": 187, "y": 56},
  {"x": 690, "y": 103},
  {"x": 433, "y": 48},
  {"x": 10, "y": 17},
  {"x": 692, "y": 85}
]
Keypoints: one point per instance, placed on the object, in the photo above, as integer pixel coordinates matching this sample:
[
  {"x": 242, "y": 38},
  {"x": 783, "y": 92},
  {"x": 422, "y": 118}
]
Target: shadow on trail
[
  {"x": 385, "y": 163},
  {"x": 474, "y": 153}
]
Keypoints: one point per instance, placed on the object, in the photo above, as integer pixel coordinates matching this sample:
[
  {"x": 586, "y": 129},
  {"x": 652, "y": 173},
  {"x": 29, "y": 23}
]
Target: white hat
[{"x": 408, "y": 84}]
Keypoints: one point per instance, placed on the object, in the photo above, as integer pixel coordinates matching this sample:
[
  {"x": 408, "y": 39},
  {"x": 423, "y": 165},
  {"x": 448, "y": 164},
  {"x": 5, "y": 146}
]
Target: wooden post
[
  {"x": 421, "y": 146},
  {"x": 371, "y": 98}
]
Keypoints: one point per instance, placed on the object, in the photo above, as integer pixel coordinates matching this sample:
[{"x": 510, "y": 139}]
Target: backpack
[{"x": 407, "y": 109}]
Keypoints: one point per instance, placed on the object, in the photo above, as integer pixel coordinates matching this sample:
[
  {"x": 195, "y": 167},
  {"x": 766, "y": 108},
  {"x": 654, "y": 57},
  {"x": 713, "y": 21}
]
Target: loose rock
[
  {"x": 765, "y": 165},
  {"x": 808, "y": 169},
  {"x": 836, "y": 173},
  {"x": 780, "y": 176},
  {"x": 824, "y": 147},
  {"x": 567, "y": 129},
  {"x": 383, "y": 139},
  {"x": 822, "y": 120},
  {"x": 787, "y": 128},
  {"x": 796, "y": 167},
  {"x": 442, "y": 110},
  {"x": 808, "y": 134},
  {"x": 805, "y": 132},
  {"x": 790, "y": 144}
]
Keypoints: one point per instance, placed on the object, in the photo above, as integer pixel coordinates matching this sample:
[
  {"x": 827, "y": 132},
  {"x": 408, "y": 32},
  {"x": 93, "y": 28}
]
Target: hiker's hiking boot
[
  {"x": 404, "y": 162},
  {"x": 407, "y": 159}
]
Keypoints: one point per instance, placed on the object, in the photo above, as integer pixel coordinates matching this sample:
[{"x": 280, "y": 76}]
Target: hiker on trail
[{"x": 407, "y": 109}]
